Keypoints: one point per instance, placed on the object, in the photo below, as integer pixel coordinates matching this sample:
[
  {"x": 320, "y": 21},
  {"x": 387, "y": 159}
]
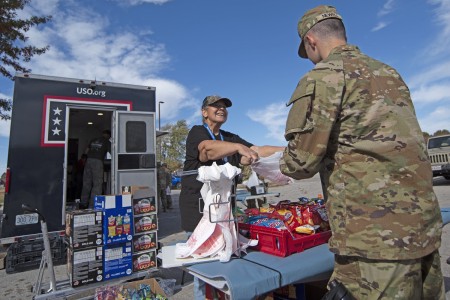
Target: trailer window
[{"x": 136, "y": 139}]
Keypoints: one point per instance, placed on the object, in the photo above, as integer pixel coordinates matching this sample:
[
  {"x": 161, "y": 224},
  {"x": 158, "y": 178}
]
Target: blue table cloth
[{"x": 257, "y": 273}]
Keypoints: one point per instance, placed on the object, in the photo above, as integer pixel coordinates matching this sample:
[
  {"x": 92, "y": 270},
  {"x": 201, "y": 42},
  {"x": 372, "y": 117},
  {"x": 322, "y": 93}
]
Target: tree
[
  {"x": 13, "y": 44},
  {"x": 441, "y": 132},
  {"x": 426, "y": 136},
  {"x": 173, "y": 145}
]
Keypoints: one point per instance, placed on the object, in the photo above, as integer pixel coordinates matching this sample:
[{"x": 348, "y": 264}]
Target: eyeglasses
[{"x": 218, "y": 105}]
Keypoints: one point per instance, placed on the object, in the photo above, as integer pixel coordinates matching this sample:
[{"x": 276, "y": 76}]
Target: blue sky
[{"x": 242, "y": 49}]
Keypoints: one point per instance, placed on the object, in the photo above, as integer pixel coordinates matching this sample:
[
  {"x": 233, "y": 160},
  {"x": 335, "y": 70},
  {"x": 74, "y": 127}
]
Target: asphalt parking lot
[{"x": 17, "y": 286}]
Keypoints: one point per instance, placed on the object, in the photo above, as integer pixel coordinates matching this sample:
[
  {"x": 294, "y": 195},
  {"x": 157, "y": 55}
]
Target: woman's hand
[{"x": 248, "y": 155}]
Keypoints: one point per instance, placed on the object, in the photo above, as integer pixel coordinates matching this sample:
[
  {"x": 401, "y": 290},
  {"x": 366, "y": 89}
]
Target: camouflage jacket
[
  {"x": 352, "y": 120},
  {"x": 162, "y": 178}
]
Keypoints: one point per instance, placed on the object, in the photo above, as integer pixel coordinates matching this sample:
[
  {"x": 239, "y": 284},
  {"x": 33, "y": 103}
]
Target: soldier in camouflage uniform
[
  {"x": 93, "y": 170},
  {"x": 161, "y": 186},
  {"x": 353, "y": 121},
  {"x": 168, "y": 184}
]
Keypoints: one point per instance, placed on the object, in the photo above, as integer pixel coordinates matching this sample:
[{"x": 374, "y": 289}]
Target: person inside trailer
[{"x": 93, "y": 170}]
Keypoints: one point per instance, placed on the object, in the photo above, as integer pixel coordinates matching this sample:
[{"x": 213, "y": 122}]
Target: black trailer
[{"x": 53, "y": 119}]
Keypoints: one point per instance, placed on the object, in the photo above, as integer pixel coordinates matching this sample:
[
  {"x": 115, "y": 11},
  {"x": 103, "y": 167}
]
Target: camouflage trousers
[
  {"x": 162, "y": 198},
  {"x": 92, "y": 181},
  {"x": 386, "y": 279}
]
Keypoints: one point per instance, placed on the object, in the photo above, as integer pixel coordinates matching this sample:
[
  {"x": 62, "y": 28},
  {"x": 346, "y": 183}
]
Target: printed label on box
[
  {"x": 112, "y": 201},
  {"x": 85, "y": 265},
  {"x": 144, "y": 205},
  {"x": 144, "y": 260},
  {"x": 118, "y": 225},
  {"x": 132, "y": 189},
  {"x": 145, "y": 223},
  {"x": 117, "y": 260},
  {"x": 145, "y": 242},
  {"x": 84, "y": 228}
]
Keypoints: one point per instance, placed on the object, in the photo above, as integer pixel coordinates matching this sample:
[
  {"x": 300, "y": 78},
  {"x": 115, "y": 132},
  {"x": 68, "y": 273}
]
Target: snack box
[
  {"x": 117, "y": 260},
  {"x": 117, "y": 226},
  {"x": 144, "y": 205},
  {"x": 143, "y": 261},
  {"x": 85, "y": 265},
  {"x": 145, "y": 223},
  {"x": 84, "y": 228},
  {"x": 117, "y": 218},
  {"x": 144, "y": 198},
  {"x": 282, "y": 242},
  {"x": 145, "y": 241},
  {"x": 103, "y": 202}
]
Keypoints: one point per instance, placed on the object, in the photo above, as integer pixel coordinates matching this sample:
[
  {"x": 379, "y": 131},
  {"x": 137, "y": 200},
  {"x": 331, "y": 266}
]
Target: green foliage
[
  {"x": 13, "y": 43},
  {"x": 441, "y": 132},
  {"x": 172, "y": 146},
  {"x": 426, "y": 136}
]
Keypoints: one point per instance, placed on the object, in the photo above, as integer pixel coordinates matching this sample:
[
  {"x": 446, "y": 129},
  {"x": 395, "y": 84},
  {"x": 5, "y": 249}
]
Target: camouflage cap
[
  {"x": 311, "y": 18},
  {"x": 213, "y": 99}
]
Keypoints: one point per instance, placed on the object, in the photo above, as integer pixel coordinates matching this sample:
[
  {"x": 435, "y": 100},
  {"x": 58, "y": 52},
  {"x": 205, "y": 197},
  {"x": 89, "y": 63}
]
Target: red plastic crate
[{"x": 281, "y": 242}]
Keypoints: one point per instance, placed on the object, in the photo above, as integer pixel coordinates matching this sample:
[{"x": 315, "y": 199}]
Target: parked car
[{"x": 176, "y": 182}]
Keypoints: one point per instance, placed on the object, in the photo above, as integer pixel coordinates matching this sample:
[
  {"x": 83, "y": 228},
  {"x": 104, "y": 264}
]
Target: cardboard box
[
  {"x": 154, "y": 286},
  {"x": 117, "y": 260},
  {"x": 144, "y": 198},
  {"x": 117, "y": 218},
  {"x": 103, "y": 202},
  {"x": 145, "y": 260},
  {"x": 144, "y": 205},
  {"x": 117, "y": 226},
  {"x": 85, "y": 265},
  {"x": 145, "y": 223},
  {"x": 144, "y": 242},
  {"x": 104, "y": 292},
  {"x": 84, "y": 228},
  {"x": 131, "y": 189},
  {"x": 257, "y": 190}
]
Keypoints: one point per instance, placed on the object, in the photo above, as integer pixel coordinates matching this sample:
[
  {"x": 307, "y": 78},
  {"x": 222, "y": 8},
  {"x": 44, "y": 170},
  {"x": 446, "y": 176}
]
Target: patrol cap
[
  {"x": 213, "y": 99},
  {"x": 311, "y": 18}
]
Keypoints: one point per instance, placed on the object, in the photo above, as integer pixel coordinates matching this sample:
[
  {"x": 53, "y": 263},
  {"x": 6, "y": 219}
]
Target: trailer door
[{"x": 134, "y": 150}]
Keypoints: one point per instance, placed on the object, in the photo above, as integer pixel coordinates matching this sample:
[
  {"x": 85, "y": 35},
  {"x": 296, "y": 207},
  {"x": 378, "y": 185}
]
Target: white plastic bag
[
  {"x": 269, "y": 168},
  {"x": 253, "y": 180},
  {"x": 209, "y": 238}
]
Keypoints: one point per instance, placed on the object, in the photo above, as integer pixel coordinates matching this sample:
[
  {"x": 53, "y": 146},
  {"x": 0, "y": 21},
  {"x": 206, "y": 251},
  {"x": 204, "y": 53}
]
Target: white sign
[
  {"x": 436, "y": 168},
  {"x": 27, "y": 219}
]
